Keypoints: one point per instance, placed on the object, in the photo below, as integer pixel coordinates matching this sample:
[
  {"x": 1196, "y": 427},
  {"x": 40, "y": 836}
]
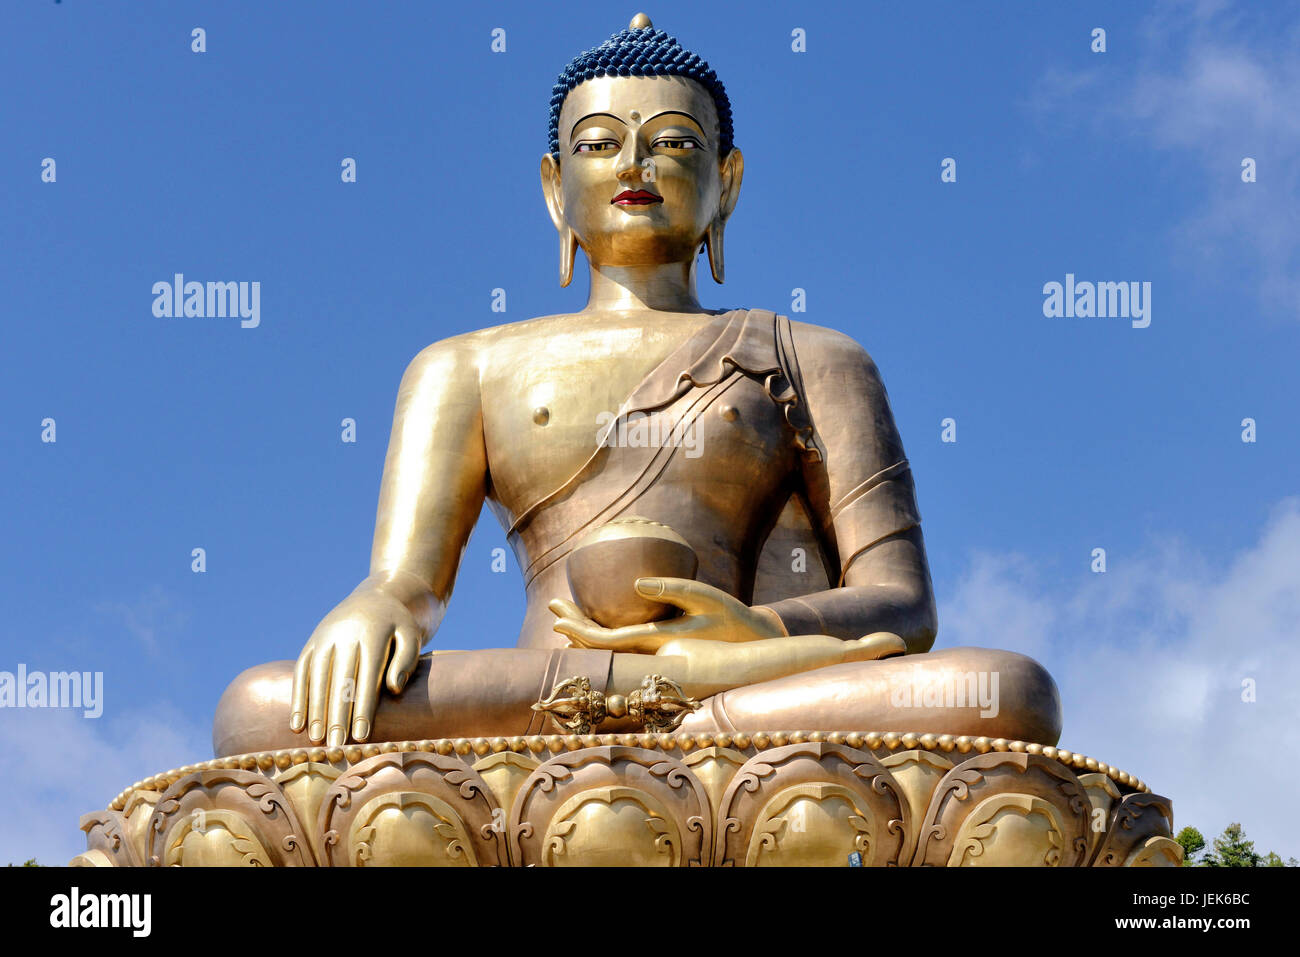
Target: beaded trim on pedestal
[{"x": 556, "y": 743}]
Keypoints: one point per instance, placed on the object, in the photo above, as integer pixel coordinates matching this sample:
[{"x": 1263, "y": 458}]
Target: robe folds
[
  {"x": 728, "y": 404},
  {"x": 752, "y": 417}
]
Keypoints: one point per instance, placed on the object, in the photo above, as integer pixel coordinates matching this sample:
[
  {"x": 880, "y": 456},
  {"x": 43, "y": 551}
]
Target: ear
[
  {"x": 732, "y": 171},
  {"x": 552, "y": 192},
  {"x": 554, "y": 196}
]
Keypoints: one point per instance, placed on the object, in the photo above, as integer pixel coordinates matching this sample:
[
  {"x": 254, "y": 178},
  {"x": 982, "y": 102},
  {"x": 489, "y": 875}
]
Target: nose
[{"x": 628, "y": 166}]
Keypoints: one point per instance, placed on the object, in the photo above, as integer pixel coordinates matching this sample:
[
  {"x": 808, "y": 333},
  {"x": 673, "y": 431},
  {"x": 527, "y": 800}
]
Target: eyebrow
[
  {"x": 655, "y": 117},
  {"x": 678, "y": 113},
  {"x": 590, "y": 116}
]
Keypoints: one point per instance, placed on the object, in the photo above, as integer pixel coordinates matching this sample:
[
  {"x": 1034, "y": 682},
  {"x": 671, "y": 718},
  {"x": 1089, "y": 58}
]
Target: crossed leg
[{"x": 488, "y": 693}]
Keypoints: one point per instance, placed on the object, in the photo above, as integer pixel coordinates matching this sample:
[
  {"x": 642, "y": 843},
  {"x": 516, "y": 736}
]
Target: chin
[{"x": 642, "y": 247}]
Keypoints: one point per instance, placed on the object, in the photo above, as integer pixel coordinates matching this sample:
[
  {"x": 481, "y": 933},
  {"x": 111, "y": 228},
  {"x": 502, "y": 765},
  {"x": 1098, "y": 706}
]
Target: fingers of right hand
[
  {"x": 298, "y": 705},
  {"x": 406, "y": 654},
  {"x": 343, "y": 691},
  {"x": 322, "y": 661},
  {"x": 369, "y": 677}
]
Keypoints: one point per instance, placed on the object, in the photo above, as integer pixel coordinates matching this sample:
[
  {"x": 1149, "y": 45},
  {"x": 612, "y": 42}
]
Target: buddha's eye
[
  {"x": 595, "y": 146},
  {"x": 677, "y": 143}
]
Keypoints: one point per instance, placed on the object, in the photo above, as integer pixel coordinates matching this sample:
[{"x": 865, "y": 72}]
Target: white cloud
[
  {"x": 153, "y": 619},
  {"x": 59, "y": 765},
  {"x": 1211, "y": 85},
  {"x": 1151, "y": 657},
  {"x": 997, "y": 589}
]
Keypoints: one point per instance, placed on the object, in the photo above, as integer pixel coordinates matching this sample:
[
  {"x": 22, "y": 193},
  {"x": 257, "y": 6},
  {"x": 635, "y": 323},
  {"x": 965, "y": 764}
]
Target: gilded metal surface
[
  {"x": 745, "y": 799},
  {"x": 659, "y": 705},
  {"x": 226, "y": 818},
  {"x": 722, "y": 429},
  {"x": 305, "y": 785},
  {"x": 656, "y": 466},
  {"x": 611, "y": 806},
  {"x": 1134, "y": 818},
  {"x": 882, "y": 742},
  {"x": 1006, "y": 809},
  {"x": 573, "y": 706},
  {"x": 411, "y": 809},
  {"x": 603, "y": 569},
  {"x": 812, "y": 804}
]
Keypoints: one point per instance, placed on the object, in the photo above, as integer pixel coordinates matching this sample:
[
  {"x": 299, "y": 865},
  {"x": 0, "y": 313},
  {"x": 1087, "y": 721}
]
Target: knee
[
  {"x": 1029, "y": 699},
  {"x": 1023, "y": 701},
  {"x": 253, "y": 713}
]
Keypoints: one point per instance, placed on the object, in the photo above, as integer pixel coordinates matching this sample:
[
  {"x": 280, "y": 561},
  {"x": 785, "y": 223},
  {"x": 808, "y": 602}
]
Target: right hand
[{"x": 337, "y": 678}]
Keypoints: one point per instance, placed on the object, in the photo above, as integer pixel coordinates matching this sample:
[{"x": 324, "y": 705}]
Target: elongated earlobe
[
  {"x": 713, "y": 243},
  {"x": 568, "y": 249},
  {"x": 552, "y": 194},
  {"x": 732, "y": 171}
]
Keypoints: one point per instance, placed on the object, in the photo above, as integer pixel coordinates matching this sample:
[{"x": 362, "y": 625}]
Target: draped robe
[
  {"x": 777, "y": 510},
  {"x": 734, "y": 463}
]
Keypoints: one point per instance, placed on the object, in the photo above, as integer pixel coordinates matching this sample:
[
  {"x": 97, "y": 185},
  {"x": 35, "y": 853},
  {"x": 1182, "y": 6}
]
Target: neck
[{"x": 663, "y": 288}]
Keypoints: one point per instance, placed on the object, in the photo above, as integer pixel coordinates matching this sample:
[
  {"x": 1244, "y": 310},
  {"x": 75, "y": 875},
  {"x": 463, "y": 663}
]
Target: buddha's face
[{"x": 639, "y": 178}]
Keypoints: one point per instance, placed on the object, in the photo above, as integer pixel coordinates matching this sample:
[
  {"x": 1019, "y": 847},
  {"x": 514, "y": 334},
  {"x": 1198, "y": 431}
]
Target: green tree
[
  {"x": 30, "y": 862},
  {"x": 1192, "y": 842},
  {"x": 1231, "y": 849}
]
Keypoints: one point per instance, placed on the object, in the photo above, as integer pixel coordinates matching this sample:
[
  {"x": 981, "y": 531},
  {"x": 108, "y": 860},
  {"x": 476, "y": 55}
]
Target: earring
[
  {"x": 713, "y": 243},
  {"x": 568, "y": 249}
]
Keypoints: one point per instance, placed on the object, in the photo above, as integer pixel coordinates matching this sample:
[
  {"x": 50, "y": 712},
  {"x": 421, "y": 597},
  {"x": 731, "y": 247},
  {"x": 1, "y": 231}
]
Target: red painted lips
[{"x": 635, "y": 197}]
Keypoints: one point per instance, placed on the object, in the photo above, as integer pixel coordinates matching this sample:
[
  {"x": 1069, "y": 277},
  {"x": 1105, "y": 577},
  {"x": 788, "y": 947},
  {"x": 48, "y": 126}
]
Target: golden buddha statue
[{"x": 763, "y": 446}]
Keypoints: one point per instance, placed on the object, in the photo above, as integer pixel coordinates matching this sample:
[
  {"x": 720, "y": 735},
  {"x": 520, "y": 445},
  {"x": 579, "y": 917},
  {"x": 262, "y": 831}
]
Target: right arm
[{"x": 435, "y": 481}]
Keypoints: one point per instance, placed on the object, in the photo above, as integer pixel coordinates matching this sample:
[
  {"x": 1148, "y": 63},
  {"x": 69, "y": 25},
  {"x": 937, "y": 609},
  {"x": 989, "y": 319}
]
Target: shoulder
[
  {"x": 467, "y": 354},
  {"x": 454, "y": 358},
  {"x": 819, "y": 349}
]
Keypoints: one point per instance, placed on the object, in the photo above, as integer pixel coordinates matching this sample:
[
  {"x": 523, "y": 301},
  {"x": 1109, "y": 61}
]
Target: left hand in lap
[{"x": 709, "y": 614}]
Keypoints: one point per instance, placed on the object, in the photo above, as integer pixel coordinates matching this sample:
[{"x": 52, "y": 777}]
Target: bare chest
[{"x": 551, "y": 393}]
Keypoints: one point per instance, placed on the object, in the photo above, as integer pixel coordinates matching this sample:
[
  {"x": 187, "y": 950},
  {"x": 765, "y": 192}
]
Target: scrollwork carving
[
  {"x": 611, "y": 805},
  {"x": 411, "y": 808},
  {"x": 731, "y": 798},
  {"x": 1006, "y": 808},
  {"x": 815, "y": 804},
  {"x": 1134, "y": 820},
  {"x": 226, "y": 817},
  {"x": 107, "y": 842}
]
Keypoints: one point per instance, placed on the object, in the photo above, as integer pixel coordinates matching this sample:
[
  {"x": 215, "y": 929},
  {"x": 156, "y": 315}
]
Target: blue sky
[{"x": 1072, "y": 434}]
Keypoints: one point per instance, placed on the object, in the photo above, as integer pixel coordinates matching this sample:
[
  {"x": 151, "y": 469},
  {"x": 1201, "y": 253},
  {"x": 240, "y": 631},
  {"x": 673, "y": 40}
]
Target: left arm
[{"x": 862, "y": 496}]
